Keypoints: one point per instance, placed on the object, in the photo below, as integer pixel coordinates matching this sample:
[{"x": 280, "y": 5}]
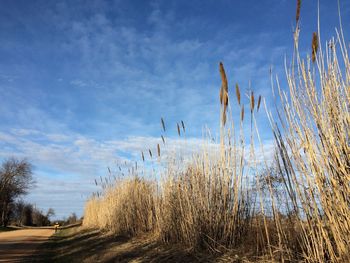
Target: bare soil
[{"x": 20, "y": 245}]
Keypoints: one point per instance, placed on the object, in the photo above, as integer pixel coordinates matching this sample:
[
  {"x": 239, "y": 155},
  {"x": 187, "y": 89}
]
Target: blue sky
[{"x": 83, "y": 84}]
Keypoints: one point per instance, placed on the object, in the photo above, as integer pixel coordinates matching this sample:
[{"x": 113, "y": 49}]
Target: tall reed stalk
[{"x": 314, "y": 148}]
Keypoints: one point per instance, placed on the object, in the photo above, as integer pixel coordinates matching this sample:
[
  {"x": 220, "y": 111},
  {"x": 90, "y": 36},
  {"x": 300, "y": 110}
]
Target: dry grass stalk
[
  {"x": 223, "y": 118},
  {"x": 158, "y": 149},
  {"x": 150, "y": 152},
  {"x": 163, "y": 139},
  {"x": 143, "y": 156}
]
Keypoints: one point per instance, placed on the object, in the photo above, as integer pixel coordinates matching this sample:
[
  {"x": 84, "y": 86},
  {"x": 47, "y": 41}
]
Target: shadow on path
[{"x": 92, "y": 246}]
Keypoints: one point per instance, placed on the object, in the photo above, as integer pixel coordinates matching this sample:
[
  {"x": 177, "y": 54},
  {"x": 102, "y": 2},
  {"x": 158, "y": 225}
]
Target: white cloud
[{"x": 75, "y": 160}]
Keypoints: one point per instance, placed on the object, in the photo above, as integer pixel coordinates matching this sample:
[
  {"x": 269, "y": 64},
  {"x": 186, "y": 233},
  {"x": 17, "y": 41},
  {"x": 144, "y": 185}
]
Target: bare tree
[
  {"x": 17, "y": 212},
  {"x": 72, "y": 219},
  {"x": 50, "y": 213},
  {"x": 39, "y": 218},
  {"x": 15, "y": 180}
]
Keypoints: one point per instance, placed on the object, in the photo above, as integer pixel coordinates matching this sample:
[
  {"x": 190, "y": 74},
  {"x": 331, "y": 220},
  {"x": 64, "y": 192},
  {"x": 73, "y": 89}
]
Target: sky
[{"x": 83, "y": 84}]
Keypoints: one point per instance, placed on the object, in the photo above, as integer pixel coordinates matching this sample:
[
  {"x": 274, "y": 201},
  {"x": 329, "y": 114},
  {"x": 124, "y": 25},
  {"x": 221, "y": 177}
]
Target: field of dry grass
[{"x": 226, "y": 200}]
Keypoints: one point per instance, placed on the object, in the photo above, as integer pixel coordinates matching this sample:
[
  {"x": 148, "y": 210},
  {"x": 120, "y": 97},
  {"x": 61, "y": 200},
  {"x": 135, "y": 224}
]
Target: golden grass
[
  {"x": 294, "y": 209},
  {"x": 128, "y": 208},
  {"x": 315, "y": 154}
]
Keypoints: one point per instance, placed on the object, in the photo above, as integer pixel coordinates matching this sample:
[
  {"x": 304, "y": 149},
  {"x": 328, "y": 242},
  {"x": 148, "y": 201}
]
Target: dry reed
[{"x": 295, "y": 209}]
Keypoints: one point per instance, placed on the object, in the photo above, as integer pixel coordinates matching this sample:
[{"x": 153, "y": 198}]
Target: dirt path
[{"x": 17, "y": 245}]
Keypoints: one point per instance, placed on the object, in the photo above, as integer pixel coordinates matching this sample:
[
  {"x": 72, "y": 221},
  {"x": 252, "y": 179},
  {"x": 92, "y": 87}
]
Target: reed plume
[
  {"x": 223, "y": 92},
  {"x": 183, "y": 126},
  {"x": 314, "y": 46},
  {"x": 224, "y": 86},
  {"x": 297, "y": 16},
  {"x": 238, "y": 94},
  {"x": 252, "y": 101},
  {"x": 259, "y": 101},
  {"x": 163, "y": 124}
]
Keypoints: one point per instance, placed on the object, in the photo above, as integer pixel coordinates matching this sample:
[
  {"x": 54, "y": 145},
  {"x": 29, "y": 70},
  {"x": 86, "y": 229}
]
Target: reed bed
[
  {"x": 293, "y": 207},
  {"x": 126, "y": 208},
  {"x": 314, "y": 149}
]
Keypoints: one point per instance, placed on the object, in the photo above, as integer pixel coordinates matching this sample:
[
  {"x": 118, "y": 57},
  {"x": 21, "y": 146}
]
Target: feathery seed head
[
  {"x": 297, "y": 16},
  {"x": 238, "y": 94},
  {"x": 163, "y": 124},
  {"x": 252, "y": 101},
  {"x": 242, "y": 113},
  {"x": 183, "y": 126},
  {"x": 259, "y": 101},
  {"x": 314, "y": 46},
  {"x": 224, "y": 86}
]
